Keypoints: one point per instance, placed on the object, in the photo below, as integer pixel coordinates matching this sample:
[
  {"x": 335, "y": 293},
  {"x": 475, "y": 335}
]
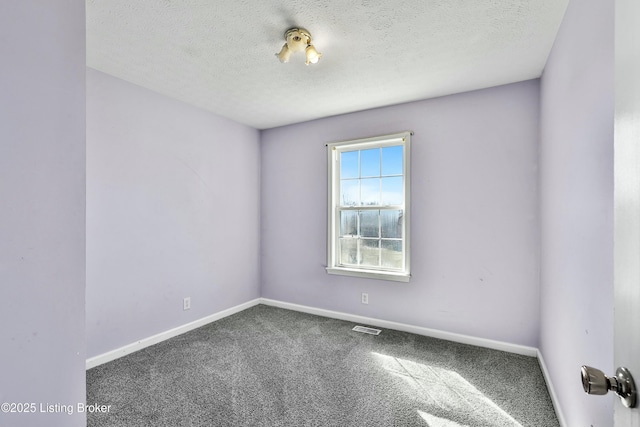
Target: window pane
[
  {"x": 370, "y": 162},
  {"x": 392, "y": 191},
  {"x": 392, "y": 253},
  {"x": 392, "y": 160},
  {"x": 369, "y": 252},
  {"x": 369, "y": 224},
  {"x": 391, "y": 224},
  {"x": 348, "y": 223},
  {"x": 350, "y": 192},
  {"x": 349, "y": 164},
  {"x": 348, "y": 251},
  {"x": 370, "y": 191}
]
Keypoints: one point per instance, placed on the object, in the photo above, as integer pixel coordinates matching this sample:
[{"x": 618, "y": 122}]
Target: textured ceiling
[{"x": 220, "y": 54}]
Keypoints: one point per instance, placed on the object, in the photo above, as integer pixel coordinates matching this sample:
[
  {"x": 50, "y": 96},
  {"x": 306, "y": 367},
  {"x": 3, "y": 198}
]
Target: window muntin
[{"x": 369, "y": 207}]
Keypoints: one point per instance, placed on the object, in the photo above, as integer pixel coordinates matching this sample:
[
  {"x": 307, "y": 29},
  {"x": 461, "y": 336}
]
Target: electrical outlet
[
  {"x": 186, "y": 303},
  {"x": 365, "y": 298}
]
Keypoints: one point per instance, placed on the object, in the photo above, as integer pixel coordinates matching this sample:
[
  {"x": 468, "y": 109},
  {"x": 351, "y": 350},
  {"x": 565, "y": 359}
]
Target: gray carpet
[{"x": 272, "y": 367}]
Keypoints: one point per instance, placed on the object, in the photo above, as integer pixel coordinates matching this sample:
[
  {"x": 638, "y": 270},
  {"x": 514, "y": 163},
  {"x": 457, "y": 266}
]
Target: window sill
[{"x": 369, "y": 274}]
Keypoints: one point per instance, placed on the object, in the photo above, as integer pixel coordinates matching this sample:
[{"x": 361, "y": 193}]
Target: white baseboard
[
  {"x": 418, "y": 330},
  {"x": 552, "y": 392},
  {"x": 146, "y": 342}
]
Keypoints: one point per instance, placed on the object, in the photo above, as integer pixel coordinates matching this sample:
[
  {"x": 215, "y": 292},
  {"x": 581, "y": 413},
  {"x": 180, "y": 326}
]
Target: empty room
[{"x": 234, "y": 213}]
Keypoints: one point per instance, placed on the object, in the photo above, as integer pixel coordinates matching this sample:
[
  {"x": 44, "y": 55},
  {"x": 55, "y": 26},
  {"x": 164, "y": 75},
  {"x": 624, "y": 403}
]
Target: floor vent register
[{"x": 365, "y": 330}]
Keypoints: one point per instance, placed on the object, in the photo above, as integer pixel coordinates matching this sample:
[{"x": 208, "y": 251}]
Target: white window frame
[{"x": 333, "y": 228}]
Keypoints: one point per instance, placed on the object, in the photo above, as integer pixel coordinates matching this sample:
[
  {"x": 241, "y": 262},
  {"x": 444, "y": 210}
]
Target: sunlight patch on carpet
[{"x": 446, "y": 394}]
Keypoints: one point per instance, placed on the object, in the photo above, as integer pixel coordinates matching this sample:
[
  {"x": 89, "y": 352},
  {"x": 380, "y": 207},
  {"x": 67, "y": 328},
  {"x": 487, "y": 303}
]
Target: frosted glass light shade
[
  {"x": 284, "y": 54},
  {"x": 312, "y": 55}
]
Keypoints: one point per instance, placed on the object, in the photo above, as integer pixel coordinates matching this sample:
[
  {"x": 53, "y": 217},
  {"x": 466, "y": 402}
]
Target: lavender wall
[
  {"x": 475, "y": 227},
  {"x": 42, "y": 221},
  {"x": 172, "y": 211},
  {"x": 576, "y": 205}
]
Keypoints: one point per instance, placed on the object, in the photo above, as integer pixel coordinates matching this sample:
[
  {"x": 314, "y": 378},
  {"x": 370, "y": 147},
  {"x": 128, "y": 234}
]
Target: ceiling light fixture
[{"x": 298, "y": 40}]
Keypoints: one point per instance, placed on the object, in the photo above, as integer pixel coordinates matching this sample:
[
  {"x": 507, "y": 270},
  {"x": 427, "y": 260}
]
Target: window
[{"x": 368, "y": 217}]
